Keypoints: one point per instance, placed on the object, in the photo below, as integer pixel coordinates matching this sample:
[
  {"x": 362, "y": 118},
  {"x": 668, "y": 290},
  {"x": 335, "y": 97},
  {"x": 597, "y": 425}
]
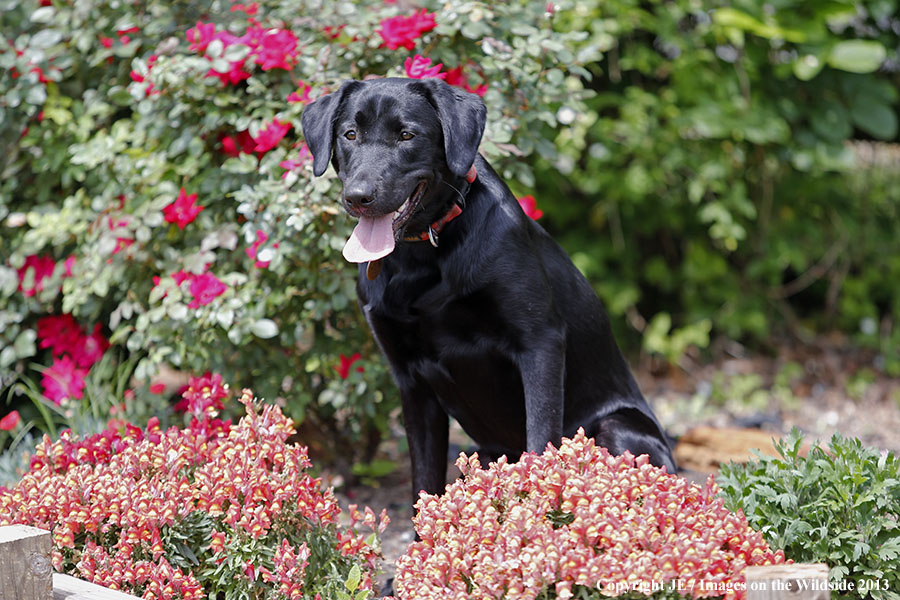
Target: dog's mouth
[
  {"x": 406, "y": 210},
  {"x": 375, "y": 237}
]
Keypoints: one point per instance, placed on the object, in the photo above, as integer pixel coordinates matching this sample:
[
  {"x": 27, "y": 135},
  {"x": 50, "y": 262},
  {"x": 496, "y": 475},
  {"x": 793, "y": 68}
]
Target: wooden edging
[{"x": 26, "y": 574}]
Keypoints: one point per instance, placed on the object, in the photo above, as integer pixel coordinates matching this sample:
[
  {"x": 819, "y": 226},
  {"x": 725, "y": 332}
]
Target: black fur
[{"x": 494, "y": 327}]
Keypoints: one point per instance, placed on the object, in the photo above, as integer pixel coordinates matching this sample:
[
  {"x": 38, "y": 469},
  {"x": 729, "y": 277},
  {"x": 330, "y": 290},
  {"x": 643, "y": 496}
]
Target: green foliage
[
  {"x": 103, "y": 130},
  {"x": 716, "y": 176},
  {"x": 839, "y": 505}
]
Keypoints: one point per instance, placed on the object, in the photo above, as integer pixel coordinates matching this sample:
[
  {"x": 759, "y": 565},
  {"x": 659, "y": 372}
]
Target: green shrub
[
  {"x": 839, "y": 505},
  {"x": 712, "y": 183}
]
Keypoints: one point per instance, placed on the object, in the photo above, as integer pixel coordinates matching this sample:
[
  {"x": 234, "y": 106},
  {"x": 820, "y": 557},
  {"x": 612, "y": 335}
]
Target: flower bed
[
  {"x": 190, "y": 513},
  {"x": 577, "y": 522}
]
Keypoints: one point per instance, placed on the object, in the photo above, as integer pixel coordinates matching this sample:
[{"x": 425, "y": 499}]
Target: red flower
[
  {"x": 90, "y": 348},
  {"x": 126, "y": 31},
  {"x": 106, "y": 42},
  {"x": 529, "y": 205},
  {"x": 9, "y": 422},
  {"x": 157, "y": 388},
  {"x": 61, "y": 333},
  {"x": 40, "y": 268},
  {"x": 204, "y": 396},
  {"x": 400, "y": 31},
  {"x": 235, "y": 73},
  {"x": 251, "y": 9},
  {"x": 64, "y": 379},
  {"x": 205, "y": 288},
  {"x": 183, "y": 210},
  {"x": 343, "y": 369},
  {"x": 269, "y": 137},
  {"x": 418, "y": 67},
  {"x": 458, "y": 78}
]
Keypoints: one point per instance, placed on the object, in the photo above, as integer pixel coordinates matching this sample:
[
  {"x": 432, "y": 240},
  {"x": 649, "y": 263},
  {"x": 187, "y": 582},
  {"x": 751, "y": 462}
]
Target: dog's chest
[{"x": 438, "y": 333}]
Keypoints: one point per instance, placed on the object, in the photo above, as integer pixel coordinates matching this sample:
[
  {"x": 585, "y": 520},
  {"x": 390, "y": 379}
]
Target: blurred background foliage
[{"x": 722, "y": 172}]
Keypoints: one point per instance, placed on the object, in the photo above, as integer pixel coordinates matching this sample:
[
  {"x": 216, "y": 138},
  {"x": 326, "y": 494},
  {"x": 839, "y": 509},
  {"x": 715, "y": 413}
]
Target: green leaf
[
  {"x": 808, "y": 66},
  {"x": 353, "y": 578},
  {"x": 264, "y": 328},
  {"x": 46, "y": 38},
  {"x": 857, "y": 56},
  {"x": 876, "y": 119}
]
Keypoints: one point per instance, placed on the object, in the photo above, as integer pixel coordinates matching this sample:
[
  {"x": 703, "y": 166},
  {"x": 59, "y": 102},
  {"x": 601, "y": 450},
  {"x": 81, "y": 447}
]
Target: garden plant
[
  {"x": 838, "y": 504},
  {"x": 211, "y": 510}
]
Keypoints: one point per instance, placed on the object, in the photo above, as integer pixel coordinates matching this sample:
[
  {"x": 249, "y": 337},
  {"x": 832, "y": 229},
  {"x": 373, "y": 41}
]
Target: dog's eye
[
  {"x": 406, "y": 136},
  {"x": 350, "y": 135}
]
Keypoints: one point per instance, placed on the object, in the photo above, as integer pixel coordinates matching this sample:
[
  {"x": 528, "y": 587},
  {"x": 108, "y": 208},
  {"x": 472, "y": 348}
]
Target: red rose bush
[
  {"x": 189, "y": 513},
  {"x": 577, "y": 522},
  {"x": 158, "y": 186}
]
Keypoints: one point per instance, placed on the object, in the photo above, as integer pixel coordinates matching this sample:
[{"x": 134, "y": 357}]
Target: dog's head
[{"x": 393, "y": 143}]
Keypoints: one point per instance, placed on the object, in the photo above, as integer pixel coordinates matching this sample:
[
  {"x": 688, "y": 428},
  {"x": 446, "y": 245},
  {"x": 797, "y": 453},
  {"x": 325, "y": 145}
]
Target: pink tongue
[{"x": 372, "y": 238}]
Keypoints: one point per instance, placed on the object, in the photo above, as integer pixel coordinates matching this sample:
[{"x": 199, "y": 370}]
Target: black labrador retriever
[{"x": 481, "y": 315}]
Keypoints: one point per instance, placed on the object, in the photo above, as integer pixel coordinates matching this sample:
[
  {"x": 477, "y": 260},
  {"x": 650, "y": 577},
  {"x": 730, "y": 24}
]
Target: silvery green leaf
[{"x": 264, "y": 328}]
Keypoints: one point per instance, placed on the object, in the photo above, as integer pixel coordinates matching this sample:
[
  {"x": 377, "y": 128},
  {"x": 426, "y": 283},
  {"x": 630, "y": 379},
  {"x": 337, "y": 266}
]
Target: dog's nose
[{"x": 358, "y": 195}]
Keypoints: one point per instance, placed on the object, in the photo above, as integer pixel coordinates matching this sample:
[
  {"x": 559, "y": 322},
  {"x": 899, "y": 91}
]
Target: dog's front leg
[
  {"x": 427, "y": 432},
  {"x": 543, "y": 371}
]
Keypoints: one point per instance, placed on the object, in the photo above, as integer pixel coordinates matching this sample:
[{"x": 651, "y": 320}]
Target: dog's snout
[{"x": 359, "y": 195}]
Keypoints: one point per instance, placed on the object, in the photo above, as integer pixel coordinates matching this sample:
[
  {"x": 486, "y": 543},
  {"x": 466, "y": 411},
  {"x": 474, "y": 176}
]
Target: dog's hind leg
[{"x": 630, "y": 429}]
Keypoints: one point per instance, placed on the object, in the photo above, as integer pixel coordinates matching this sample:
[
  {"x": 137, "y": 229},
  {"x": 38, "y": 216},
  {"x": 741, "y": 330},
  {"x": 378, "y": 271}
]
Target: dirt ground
[{"x": 823, "y": 390}]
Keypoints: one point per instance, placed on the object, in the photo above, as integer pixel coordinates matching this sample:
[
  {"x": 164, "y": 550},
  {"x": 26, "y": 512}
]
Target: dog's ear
[
  {"x": 462, "y": 121},
  {"x": 317, "y": 122}
]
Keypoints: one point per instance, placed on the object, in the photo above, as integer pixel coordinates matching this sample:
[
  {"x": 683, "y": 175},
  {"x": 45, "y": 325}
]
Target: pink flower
[
  {"x": 293, "y": 164},
  {"x": 200, "y": 36},
  {"x": 183, "y": 210},
  {"x": 418, "y": 67},
  {"x": 400, "y": 31},
  {"x": 40, "y": 268},
  {"x": 253, "y": 250},
  {"x": 343, "y": 368},
  {"x": 205, "y": 288},
  {"x": 69, "y": 264},
  {"x": 90, "y": 348},
  {"x": 157, "y": 388},
  {"x": 63, "y": 379},
  {"x": 9, "y": 422},
  {"x": 277, "y": 49},
  {"x": 106, "y": 42},
  {"x": 269, "y": 137},
  {"x": 529, "y": 205},
  {"x": 61, "y": 333},
  {"x": 301, "y": 95}
]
